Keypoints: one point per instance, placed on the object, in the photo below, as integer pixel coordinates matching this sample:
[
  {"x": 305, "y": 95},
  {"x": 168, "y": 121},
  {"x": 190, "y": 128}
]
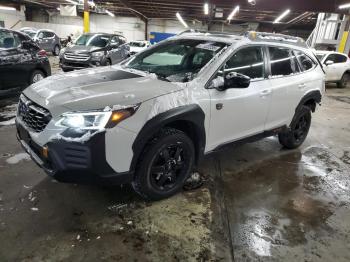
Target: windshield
[
  {"x": 137, "y": 44},
  {"x": 320, "y": 56},
  {"x": 93, "y": 40},
  {"x": 176, "y": 61}
]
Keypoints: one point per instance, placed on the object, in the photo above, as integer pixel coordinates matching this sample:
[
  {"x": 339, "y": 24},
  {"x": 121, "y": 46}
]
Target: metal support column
[{"x": 86, "y": 17}]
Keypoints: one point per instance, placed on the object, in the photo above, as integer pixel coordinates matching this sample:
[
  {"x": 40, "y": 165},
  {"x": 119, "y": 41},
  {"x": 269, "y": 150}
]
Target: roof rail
[
  {"x": 211, "y": 33},
  {"x": 272, "y": 37}
]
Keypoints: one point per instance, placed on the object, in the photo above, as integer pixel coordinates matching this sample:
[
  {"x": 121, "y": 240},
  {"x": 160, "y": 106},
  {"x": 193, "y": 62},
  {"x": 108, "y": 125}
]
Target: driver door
[
  {"x": 42, "y": 42},
  {"x": 237, "y": 113},
  {"x": 115, "y": 52}
]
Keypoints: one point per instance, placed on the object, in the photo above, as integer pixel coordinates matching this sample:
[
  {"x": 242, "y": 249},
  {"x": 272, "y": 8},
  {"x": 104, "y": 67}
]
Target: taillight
[{"x": 42, "y": 53}]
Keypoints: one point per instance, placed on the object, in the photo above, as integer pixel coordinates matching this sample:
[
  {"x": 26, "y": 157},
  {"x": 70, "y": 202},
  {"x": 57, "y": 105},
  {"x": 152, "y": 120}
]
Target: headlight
[
  {"x": 98, "y": 54},
  {"x": 62, "y": 51},
  {"x": 95, "y": 120}
]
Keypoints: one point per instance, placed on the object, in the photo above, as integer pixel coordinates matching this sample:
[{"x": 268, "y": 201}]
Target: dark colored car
[
  {"x": 92, "y": 50},
  {"x": 22, "y": 62}
]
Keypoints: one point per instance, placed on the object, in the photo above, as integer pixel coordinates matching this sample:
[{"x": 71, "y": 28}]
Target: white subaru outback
[{"x": 149, "y": 120}]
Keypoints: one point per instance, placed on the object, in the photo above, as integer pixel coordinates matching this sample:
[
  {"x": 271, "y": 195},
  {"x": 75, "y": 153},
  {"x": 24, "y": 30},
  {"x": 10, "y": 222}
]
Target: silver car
[{"x": 45, "y": 38}]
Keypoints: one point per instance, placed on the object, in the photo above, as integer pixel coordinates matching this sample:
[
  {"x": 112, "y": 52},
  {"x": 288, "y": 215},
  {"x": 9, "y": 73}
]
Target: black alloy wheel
[{"x": 165, "y": 165}]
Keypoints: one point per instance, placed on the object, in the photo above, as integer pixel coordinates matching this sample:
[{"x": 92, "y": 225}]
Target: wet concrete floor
[{"x": 259, "y": 202}]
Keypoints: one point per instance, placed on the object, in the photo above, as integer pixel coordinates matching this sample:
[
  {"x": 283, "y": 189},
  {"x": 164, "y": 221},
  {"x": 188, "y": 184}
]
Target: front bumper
[
  {"x": 73, "y": 162},
  {"x": 66, "y": 64}
]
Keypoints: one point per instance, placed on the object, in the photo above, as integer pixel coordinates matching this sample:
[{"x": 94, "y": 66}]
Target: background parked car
[
  {"x": 22, "y": 62},
  {"x": 336, "y": 66},
  {"x": 138, "y": 46},
  {"x": 45, "y": 38},
  {"x": 94, "y": 49}
]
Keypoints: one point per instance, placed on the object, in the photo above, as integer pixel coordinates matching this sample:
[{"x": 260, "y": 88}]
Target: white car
[
  {"x": 336, "y": 66},
  {"x": 149, "y": 120},
  {"x": 138, "y": 46}
]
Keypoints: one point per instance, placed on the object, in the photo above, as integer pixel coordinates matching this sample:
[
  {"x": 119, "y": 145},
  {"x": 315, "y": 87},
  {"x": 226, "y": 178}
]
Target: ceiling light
[
  {"x": 72, "y": 2},
  {"x": 206, "y": 8},
  {"x": 59, "y": 9},
  {"x": 109, "y": 13},
  {"x": 233, "y": 13},
  {"x": 344, "y": 6},
  {"x": 181, "y": 20},
  {"x": 284, "y": 14},
  {"x": 252, "y": 2},
  {"x": 7, "y": 8}
]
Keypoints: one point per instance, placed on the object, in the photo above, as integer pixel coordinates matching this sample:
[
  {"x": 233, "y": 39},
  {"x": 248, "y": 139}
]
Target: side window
[
  {"x": 8, "y": 40},
  {"x": 283, "y": 62},
  {"x": 114, "y": 40},
  {"x": 306, "y": 62},
  {"x": 41, "y": 35},
  {"x": 122, "y": 39},
  {"x": 247, "y": 61},
  {"x": 340, "y": 58},
  {"x": 336, "y": 58},
  {"x": 48, "y": 34}
]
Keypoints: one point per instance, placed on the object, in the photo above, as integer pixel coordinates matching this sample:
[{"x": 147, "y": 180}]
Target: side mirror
[
  {"x": 231, "y": 80},
  {"x": 236, "y": 80},
  {"x": 329, "y": 62}
]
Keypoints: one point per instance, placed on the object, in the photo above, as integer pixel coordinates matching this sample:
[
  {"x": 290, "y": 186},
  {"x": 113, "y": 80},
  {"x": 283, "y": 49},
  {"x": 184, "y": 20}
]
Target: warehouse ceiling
[{"x": 264, "y": 11}]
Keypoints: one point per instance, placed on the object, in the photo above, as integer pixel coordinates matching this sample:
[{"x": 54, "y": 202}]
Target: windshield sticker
[{"x": 208, "y": 46}]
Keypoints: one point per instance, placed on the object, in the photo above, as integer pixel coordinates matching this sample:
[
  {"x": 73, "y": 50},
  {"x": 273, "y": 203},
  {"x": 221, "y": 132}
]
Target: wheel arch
[
  {"x": 310, "y": 99},
  {"x": 189, "y": 119}
]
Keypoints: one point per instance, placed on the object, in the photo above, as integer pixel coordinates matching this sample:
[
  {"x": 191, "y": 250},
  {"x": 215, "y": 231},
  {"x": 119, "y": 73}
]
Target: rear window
[{"x": 283, "y": 62}]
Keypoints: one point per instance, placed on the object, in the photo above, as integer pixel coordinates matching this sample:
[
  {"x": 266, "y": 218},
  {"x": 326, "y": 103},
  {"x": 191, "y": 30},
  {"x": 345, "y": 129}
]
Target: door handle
[
  {"x": 265, "y": 92},
  {"x": 302, "y": 86}
]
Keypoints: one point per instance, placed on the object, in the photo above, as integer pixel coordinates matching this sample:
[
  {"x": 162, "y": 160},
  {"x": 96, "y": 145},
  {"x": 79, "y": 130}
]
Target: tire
[
  {"x": 108, "y": 62},
  {"x": 344, "y": 81},
  {"x": 36, "y": 76},
  {"x": 165, "y": 165},
  {"x": 298, "y": 130},
  {"x": 56, "y": 50}
]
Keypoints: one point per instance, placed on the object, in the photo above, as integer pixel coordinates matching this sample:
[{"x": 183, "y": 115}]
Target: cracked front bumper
[{"x": 73, "y": 162}]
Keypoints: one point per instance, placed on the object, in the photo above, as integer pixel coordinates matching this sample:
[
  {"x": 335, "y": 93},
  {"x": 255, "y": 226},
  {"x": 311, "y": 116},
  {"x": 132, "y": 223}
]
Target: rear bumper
[{"x": 74, "y": 162}]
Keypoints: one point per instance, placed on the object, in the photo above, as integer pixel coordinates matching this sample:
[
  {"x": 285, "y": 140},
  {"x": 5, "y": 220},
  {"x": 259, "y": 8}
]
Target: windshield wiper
[{"x": 163, "y": 77}]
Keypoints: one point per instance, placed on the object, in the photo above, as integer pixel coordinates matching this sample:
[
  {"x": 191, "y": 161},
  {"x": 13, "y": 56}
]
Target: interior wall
[{"x": 10, "y": 18}]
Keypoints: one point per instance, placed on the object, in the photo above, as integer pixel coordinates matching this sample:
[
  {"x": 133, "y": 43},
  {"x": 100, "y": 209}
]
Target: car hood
[
  {"x": 83, "y": 49},
  {"x": 95, "y": 89}
]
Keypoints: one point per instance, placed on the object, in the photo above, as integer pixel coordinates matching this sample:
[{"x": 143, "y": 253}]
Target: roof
[{"x": 248, "y": 36}]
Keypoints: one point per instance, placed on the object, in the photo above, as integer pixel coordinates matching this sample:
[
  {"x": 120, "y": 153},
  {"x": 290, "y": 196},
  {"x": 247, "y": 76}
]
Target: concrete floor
[{"x": 259, "y": 202}]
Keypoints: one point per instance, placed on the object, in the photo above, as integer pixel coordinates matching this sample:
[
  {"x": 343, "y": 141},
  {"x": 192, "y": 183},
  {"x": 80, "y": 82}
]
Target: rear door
[{"x": 286, "y": 84}]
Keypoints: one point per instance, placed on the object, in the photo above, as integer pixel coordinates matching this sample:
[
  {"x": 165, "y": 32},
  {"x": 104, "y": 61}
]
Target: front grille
[
  {"x": 76, "y": 56},
  {"x": 33, "y": 116}
]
